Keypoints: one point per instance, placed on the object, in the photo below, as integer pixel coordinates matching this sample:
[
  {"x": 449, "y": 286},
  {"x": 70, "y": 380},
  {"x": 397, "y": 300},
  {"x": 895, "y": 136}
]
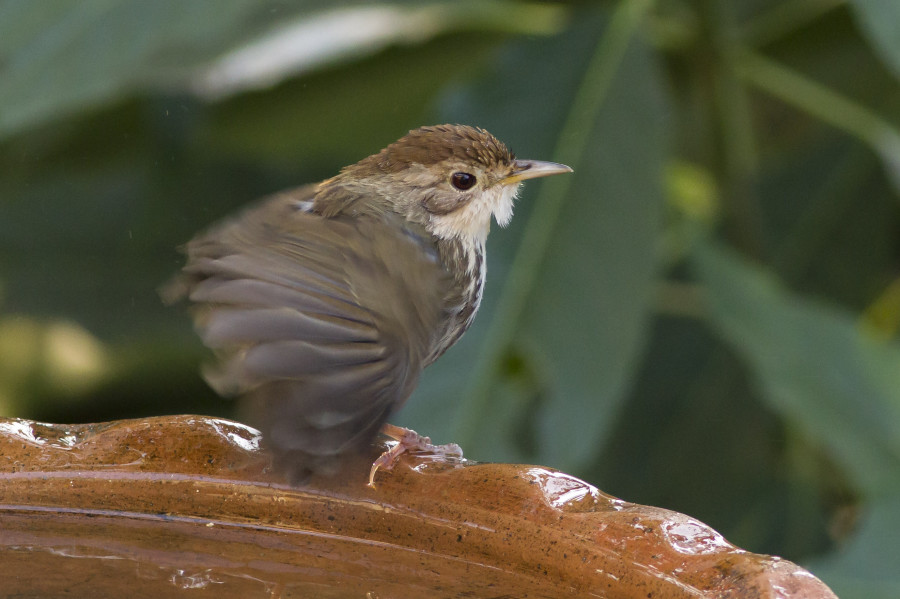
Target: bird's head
[{"x": 450, "y": 178}]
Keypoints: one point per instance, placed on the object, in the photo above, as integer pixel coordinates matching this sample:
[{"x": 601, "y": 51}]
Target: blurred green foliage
[{"x": 704, "y": 317}]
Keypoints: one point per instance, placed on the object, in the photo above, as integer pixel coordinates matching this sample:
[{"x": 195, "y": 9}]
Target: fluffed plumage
[{"x": 323, "y": 304}]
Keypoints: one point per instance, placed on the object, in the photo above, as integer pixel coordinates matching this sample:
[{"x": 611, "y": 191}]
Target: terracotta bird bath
[{"x": 188, "y": 506}]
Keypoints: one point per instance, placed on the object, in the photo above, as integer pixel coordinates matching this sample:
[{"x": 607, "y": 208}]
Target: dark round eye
[{"x": 463, "y": 181}]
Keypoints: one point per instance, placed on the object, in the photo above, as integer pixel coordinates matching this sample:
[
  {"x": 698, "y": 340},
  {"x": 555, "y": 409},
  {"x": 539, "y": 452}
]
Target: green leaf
[
  {"x": 570, "y": 310},
  {"x": 591, "y": 307},
  {"x": 57, "y": 57},
  {"x": 866, "y": 568},
  {"x": 814, "y": 364},
  {"x": 880, "y": 20}
]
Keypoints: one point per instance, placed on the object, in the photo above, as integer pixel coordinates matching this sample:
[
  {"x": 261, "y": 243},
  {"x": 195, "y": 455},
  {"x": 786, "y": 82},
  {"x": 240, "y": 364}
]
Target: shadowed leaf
[{"x": 815, "y": 365}]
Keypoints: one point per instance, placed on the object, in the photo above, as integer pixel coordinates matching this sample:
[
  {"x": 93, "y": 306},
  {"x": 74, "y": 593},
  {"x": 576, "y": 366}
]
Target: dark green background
[{"x": 703, "y": 317}]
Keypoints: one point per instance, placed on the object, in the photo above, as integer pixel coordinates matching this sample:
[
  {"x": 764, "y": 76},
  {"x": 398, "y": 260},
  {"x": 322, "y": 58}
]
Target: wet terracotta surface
[{"x": 187, "y": 506}]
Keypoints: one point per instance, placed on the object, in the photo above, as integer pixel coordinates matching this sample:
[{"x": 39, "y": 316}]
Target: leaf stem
[
  {"x": 734, "y": 159},
  {"x": 571, "y": 146},
  {"x": 785, "y": 18},
  {"x": 825, "y": 104},
  {"x": 835, "y": 197}
]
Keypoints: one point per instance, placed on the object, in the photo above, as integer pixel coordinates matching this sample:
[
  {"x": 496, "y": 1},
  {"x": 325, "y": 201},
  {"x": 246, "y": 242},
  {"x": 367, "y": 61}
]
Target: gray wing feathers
[{"x": 324, "y": 323}]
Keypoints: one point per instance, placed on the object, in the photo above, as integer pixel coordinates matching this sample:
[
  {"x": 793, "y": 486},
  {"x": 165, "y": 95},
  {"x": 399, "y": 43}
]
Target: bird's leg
[{"x": 409, "y": 440}]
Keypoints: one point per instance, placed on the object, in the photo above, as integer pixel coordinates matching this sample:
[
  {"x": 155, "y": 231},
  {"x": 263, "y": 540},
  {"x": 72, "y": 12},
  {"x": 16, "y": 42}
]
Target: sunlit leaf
[{"x": 58, "y": 57}]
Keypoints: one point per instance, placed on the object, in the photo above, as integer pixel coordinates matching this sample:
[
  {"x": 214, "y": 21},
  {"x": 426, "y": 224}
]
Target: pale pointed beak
[{"x": 532, "y": 169}]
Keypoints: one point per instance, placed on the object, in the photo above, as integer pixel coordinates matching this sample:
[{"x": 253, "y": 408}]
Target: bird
[{"x": 324, "y": 303}]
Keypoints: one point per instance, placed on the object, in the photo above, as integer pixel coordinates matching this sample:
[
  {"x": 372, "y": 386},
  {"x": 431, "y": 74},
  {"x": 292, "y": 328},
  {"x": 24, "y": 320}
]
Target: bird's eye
[{"x": 463, "y": 181}]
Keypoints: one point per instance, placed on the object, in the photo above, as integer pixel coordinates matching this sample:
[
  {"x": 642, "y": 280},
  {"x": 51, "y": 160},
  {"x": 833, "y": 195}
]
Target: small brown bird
[{"x": 324, "y": 303}]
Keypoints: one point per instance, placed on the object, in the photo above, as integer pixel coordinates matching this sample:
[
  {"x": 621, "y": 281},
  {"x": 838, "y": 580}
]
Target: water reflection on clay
[
  {"x": 26, "y": 431},
  {"x": 245, "y": 437},
  {"x": 566, "y": 492},
  {"x": 184, "y": 580},
  {"x": 795, "y": 578},
  {"x": 690, "y": 537},
  {"x": 70, "y": 552},
  {"x": 429, "y": 460}
]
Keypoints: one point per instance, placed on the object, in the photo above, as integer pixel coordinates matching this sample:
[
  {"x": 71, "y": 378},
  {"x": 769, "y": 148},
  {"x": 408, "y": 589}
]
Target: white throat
[{"x": 472, "y": 223}]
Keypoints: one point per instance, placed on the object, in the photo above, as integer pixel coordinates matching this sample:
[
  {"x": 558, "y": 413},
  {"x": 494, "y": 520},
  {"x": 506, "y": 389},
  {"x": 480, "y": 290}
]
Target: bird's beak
[{"x": 532, "y": 169}]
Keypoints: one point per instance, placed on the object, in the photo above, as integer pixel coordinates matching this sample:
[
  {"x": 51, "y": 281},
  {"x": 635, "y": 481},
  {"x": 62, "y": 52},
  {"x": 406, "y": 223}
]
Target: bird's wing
[{"x": 324, "y": 323}]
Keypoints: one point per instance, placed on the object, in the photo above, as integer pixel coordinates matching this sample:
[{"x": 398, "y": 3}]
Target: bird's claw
[{"x": 409, "y": 441}]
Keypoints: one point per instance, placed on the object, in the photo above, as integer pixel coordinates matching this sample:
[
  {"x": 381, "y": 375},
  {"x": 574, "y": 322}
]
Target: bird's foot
[{"x": 409, "y": 441}]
